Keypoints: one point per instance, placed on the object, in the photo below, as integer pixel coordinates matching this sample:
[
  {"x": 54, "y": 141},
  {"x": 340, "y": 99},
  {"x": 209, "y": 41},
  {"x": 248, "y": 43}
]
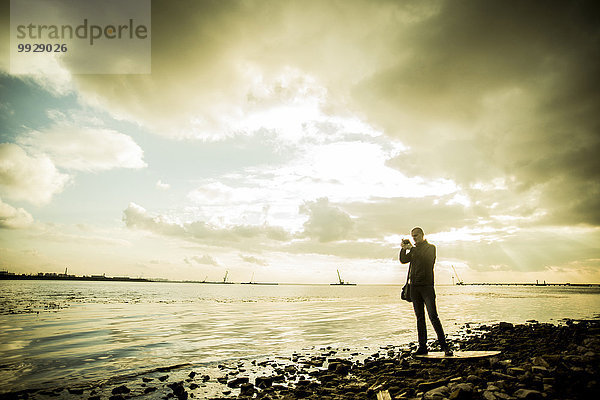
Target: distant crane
[
  {"x": 341, "y": 281},
  {"x": 459, "y": 281},
  {"x": 225, "y": 277}
]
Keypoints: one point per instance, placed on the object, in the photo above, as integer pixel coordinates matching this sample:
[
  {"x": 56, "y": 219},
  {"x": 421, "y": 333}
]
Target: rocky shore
[{"x": 537, "y": 361}]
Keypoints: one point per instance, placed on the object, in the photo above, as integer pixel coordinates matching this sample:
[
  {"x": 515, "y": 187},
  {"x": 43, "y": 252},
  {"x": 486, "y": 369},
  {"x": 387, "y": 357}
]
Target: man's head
[{"x": 417, "y": 235}]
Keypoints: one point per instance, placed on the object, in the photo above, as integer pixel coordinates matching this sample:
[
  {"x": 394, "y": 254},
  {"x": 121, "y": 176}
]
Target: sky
[{"x": 287, "y": 139}]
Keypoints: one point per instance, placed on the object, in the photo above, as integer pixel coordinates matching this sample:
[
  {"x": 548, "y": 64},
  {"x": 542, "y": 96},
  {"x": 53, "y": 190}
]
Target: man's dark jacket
[{"x": 422, "y": 259}]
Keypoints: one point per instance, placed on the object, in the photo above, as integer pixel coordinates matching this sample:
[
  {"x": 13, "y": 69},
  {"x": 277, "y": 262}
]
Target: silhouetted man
[{"x": 422, "y": 259}]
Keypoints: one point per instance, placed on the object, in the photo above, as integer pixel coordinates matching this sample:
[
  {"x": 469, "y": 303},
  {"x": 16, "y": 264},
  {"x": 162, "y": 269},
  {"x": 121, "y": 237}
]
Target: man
[{"x": 422, "y": 259}]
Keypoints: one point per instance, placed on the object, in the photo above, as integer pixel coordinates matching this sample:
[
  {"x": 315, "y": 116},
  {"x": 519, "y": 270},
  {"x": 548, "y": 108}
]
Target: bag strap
[{"x": 408, "y": 273}]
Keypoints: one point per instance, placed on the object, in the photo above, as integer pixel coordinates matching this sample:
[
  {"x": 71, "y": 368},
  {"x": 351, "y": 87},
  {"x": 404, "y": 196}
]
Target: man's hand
[{"x": 406, "y": 245}]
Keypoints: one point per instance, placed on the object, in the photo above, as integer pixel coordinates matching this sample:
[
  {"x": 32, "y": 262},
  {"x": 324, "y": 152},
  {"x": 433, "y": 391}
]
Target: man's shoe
[
  {"x": 421, "y": 351},
  {"x": 448, "y": 351}
]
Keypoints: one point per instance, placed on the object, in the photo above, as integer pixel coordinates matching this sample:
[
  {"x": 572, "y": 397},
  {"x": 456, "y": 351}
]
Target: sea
[{"x": 76, "y": 332}]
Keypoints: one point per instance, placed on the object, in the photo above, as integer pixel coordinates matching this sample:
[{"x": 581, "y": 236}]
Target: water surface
[{"x": 71, "y": 332}]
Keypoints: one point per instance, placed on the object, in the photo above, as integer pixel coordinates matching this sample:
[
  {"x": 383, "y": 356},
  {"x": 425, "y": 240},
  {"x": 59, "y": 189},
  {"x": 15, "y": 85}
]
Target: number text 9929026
[{"x": 41, "y": 48}]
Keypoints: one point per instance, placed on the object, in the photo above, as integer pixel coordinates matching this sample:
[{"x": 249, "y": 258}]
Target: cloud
[
  {"x": 84, "y": 148},
  {"x": 326, "y": 222},
  {"x": 13, "y": 218},
  {"x": 160, "y": 185},
  {"x": 34, "y": 179},
  {"x": 285, "y": 51},
  {"x": 136, "y": 217},
  {"x": 498, "y": 90},
  {"x": 253, "y": 260},
  {"x": 204, "y": 259}
]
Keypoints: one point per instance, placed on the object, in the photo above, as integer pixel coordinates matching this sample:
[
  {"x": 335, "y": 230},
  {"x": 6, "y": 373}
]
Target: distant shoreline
[
  {"x": 5, "y": 275},
  {"x": 72, "y": 278}
]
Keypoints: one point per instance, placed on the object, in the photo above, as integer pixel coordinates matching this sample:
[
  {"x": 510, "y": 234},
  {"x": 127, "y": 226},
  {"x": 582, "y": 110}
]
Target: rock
[
  {"x": 502, "y": 396},
  {"x": 357, "y": 387},
  {"x": 516, "y": 371},
  {"x": 246, "y": 389},
  {"x": 263, "y": 382},
  {"x": 340, "y": 367},
  {"x": 437, "y": 393},
  {"x": 149, "y": 390},
  {"x": 427, "y": 386},
  {"x": 500, "y": 375},
  {"x": 194, "y": 386},
  {"x": 302, "y": 382},
  {"x": 505, "y": 325},
  {"x": 192, "y": 374},
  {"x": 462, "y": 391},
  {"x": 147, "y": 380},
  {"x": 75, "y": 391},
  {"x": 237, "y": 382},
  {"x": 540, "y": 370},
  {"x": 327, "y": 378},
  {"x": 163, "y": 378},
  {"x": 540, "y": 361},
  {"x": 178, "y": 390},
  {"x": 301, "y": 393},
  {"x": 205, "y": 378},
  {"x": 121, "y": 390},
  {"x": 488, "y": 395},
  {"x": 528, "y": 394},
  {"x": 290, "y": 369}
]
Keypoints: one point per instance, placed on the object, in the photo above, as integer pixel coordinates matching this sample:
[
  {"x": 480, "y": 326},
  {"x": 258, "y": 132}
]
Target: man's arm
[{"x": 404, "y": 257}]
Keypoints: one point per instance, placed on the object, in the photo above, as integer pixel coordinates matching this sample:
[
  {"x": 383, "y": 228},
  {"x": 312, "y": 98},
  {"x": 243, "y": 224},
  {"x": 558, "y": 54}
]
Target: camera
[{"x": 405, "y": 241}]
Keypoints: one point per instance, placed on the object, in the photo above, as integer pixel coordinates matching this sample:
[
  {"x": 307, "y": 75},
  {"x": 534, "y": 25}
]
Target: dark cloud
[{"x": 492, "y": 89}]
